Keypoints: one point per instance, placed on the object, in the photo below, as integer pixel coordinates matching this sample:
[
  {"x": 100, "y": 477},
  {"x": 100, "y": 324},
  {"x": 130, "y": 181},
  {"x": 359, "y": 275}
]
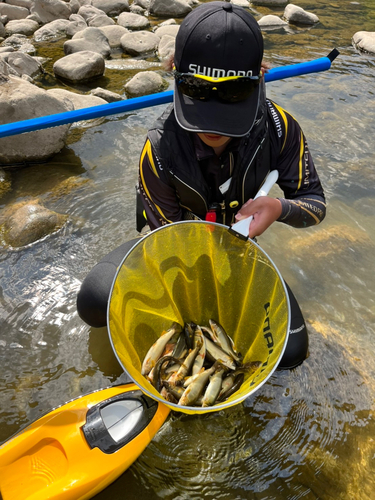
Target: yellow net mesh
[{"x": 195, "y": 271}]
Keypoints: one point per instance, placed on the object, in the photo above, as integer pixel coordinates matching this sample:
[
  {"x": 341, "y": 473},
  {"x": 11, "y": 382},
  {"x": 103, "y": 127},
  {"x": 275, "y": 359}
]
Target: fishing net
[{"x": 192, "y": 272}]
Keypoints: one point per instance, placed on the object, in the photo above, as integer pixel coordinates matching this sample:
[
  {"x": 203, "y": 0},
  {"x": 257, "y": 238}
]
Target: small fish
[
  {"x": 195, "y": 389},
  {"x": 175, "y": 390},
  {"x": 185, "y": 368},
  {"x": 199, "y": 360},
  {"x": 156, "y": 350},
  {"x": 189, "y": 329},
  {"x": 218, "y": 354},
  {"x": 156, "y": 382},
  {"x": 191, "y": 379},
  {"x": 238, "y": 381},
  {"x": 221, "y": 338},
  {"x": 213, "y": 388}
]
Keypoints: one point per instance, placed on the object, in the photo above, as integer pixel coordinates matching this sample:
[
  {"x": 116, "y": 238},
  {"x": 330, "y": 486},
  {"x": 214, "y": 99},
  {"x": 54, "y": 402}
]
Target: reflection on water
[{"x": 304, "y": 434}]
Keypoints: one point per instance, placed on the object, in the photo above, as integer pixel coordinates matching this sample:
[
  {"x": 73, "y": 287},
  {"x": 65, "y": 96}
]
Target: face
[{"x": 214, "y": 140}]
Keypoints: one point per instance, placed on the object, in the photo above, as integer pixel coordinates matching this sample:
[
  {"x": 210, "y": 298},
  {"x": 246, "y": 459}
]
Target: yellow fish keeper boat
[{"x": 79, "y": 448}]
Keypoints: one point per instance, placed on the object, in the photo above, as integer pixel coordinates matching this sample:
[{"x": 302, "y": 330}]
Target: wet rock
[
  {"x": 90, "y": 39},
  {"x": 107, "y": 95},
  {"x": 111, "y": 7},
  {"x": 139, "y": 43},
  {"x": 30, "y": 223},
  {"x": 25, "y": 27},
  {"x": 364, "y": 41},
  {"x": 52, "y": 31},
  {"x": 270, "y": 3},
  {"x": 271, "y": 21},
  {"x": 79, "y": 101},
  {"x": 13, "y": 12},
  {"x": 114, "y": 34},
  {"x": 24, "y": 64},
  {"x": 133, "y": 21},
  {"x": 166, "y": 47},
  {"x": 169, "y": 8},
  {"x": 99, "y": 21},
  {"x": 50, "y": 10},
  {"x": 144, "y": 83},
  {"x": 79, "y": 67},
  {"x": 77, "y": 23},
  {"x": 20, "y": 100},
  {"x": 297, "y": 15}
]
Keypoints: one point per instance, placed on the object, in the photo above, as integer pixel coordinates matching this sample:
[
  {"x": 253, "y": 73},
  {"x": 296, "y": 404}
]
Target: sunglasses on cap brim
[{"x": 228, "y": 89}]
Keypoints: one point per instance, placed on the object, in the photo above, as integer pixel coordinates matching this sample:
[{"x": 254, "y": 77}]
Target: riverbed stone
[
  {"x": 2, "y": 30},
  {"x": 89, "y": 39},
  {"x": 114, "y": 34},
  {"x": 13, "y": 12},
  {"x": 270, "y": 3},
  {"x": 133, "y": 21},
  {"x": 99, "y": 21},
  {"x": 79, "y": 101},
  {"x": 53, "y": 30},
  {"x": 31, "y": 222},
  {"x": 169, "y": 8},
  {"x": 5, "y": 68},
  {"x": 144, "y": 4},
  {"x": 295, "y": 14},
  {"x": 271, "y": 21},
  {"x": 167, "y": 29},
  {"x": 20, "y": 100},
  {"x": 50, "y": 10},
  {"x": 5, "y": 182},
  {"x": 20, "y": 3},
  {"x": 24, "y": 64},
  {"x": 166, "y": 47},
  {"x": 88, "y": 11},
  {"x": 139, "y": 43},
  {"x": 111, "y": 7},
  {"x": 107, "y": 95},
  {"x": 80, "y": 66},
  {"x": 76, "y": 24},
  {"x": 22, "y": 26},
  {"x": 364, "y": 41},
  {"x": 144, "y": 83}
]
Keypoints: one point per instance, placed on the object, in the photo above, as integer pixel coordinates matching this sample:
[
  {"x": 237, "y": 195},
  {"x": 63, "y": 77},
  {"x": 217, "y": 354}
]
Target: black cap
[{"x": 218, "y": 39}]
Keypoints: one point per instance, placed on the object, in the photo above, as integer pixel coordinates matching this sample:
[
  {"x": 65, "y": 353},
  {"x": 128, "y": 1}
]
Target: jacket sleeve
[
  {"x": 158, "y": 196},
  {"x": 303, "y": 204}
]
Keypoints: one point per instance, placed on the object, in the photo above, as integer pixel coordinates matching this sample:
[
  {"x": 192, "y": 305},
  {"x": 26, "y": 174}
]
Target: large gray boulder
[
  {"x": 25, "y": 27},
  {"x": 297, "y": 15},
  {"x": 169, "y": 8},
  {"x": 133, "y": 21},
  {"x": 364, "y": 41},
  {"x": 89, "y": 39},
  {"x": 13, "y": 12},
  {"x": 111, "y": 7},
  {"x": 20, "y": 100},
  {"x": 80, "y": 67},
  {"x": 52, "y": 31},
  {"x": 23, "y": 64},
  {"x": 144, "y": 83},
  {"x": 139, "y": 43},
  {"x": 50, "y": 10},
  {"x": 114, "y": 34}
]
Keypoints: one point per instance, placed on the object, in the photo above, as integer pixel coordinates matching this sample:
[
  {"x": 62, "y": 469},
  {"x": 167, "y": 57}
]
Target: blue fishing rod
[{"x": 280, "y": 73}]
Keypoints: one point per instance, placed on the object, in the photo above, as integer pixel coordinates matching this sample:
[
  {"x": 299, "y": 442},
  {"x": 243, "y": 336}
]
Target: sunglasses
[{"x": 229, "y": 89}]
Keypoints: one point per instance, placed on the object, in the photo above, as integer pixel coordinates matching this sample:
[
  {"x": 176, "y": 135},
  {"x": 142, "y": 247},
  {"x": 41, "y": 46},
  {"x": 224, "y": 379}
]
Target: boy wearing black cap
[{"x": 208, "y": 154}]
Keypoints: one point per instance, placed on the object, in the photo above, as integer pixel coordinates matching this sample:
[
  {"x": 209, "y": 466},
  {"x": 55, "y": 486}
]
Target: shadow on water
[{"x": 305, "y": 434}]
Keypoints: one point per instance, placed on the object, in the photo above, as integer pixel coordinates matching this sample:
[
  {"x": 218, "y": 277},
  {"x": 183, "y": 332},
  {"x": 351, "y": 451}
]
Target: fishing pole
[{"x": 30, "y": 125}]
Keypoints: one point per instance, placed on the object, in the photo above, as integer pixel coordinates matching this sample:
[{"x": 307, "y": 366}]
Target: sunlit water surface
[{"x": 307, "y": 433}]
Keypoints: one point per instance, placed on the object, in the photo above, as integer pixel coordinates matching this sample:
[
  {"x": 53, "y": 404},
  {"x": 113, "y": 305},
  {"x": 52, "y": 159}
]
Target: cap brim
[{"x": 216, "y": 117}]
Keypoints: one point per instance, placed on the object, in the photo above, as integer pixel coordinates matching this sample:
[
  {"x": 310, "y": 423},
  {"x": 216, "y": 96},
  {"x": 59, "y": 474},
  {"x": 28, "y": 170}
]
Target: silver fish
[
  {"x": 195, "y": 389},
  {"x": 185, "y": 368},
  {"x": 221, "y": 338},
  {"x": 199, "y": 360},
  {"x": 220, "y": 355},
  {"x": 156, "y": 350}
]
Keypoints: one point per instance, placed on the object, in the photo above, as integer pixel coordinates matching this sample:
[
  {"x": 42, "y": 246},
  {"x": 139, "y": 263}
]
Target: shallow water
[{"x": 306, "y": 433}]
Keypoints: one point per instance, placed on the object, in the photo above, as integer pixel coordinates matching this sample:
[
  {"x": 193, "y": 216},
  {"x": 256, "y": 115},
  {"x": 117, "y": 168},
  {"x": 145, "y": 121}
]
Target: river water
[{"x": 307, "y": 433}]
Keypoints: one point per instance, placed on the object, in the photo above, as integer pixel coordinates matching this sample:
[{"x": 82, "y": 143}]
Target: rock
[
  {"x": 271, "y": 21},
  {"x": 144, "y": 4},
  {"x": 90, "y": 39},
  {"x": 364, "y": 41},
  {"x": 25, "y": 27},
  {"x": 13, "y": 12},
  {"x": 99, "y": 21},
  {"x": 139, "y": 43},
  {"x": 143, "y": 83},
  {"x": 20, "y": 100},
  {"x": 169, "y": 8},
  {"x": 114, "y": 34},
  {"x": 79, "y": 101},
  {"x": 106, "y": 95},
  {"x": 137, "y": 9},
  {"x": 88, "y": 11},
  {"x": 50, "y": 10},
  {"x": 297, "y": 15},
  {"x": 77, "y": 23},
  {"x": 24, "y": 64},
  {"x": 30, "y": 223},
  {"x": 79, "y": 67},
  {"x": 21, "y": 3},
  {"x": 168, "y": 29},
  {"x": 112, "y": 7},
  {"x": 5, "y": 68},
  {"x": 53, "y": 30},
  {"x": 166, "y": 47},
  {"x": 2, "y": 30},
  {"x": 270, "y": 3},
  {"x": 133, "y": 21}
]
